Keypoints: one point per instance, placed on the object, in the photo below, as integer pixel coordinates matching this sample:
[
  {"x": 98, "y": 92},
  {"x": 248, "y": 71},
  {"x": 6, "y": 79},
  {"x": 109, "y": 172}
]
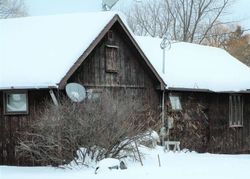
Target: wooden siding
[
  {"x": 11, "y": 124},
  {"x": 221, "y": 138},
  {"x": 225, "y": 139},
  {"x": 132, "y": 75},
  {"x": 191, "y": 123}
]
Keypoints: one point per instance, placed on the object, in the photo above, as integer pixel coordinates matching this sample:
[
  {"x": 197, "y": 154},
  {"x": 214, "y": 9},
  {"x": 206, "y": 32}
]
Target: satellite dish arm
[{"x": 53, "y": 97}]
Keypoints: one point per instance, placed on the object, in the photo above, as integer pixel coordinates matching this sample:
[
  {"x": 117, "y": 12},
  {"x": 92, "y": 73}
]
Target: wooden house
[
  {"x": 40, "y": 55},
  {"x": 207, "y": 100}
]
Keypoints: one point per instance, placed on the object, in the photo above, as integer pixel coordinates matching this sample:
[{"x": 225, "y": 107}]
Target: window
[
  {"x": 110, "y": 35},
  {"x": 94, "y": 94},
  {"x": 175, "y": 102},
  {"x": 15, "y": 103},
  {"x": 111, "y": 58},
  {"x": 235, "y": 111}
]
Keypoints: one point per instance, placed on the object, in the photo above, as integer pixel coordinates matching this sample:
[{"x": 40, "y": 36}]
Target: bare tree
[
  {"x": 218, "y": 35},
  {"x": 149, "y": 18},
  {"x": 185, "y": 20},
  {"x": 12, "y": 8}
]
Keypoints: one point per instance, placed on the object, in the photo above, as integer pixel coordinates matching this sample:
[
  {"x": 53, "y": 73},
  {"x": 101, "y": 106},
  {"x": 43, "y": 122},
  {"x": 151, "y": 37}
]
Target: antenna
[
  {"x": 164, "y": 44},
  {"x": 108, "y": 4},
  {"x": 75, "y": 92}
]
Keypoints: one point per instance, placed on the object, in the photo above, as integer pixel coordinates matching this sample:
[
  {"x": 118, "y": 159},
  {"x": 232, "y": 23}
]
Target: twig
[
  {"x": 136, "y": 146},
  {"x": 159, "y": 160}
]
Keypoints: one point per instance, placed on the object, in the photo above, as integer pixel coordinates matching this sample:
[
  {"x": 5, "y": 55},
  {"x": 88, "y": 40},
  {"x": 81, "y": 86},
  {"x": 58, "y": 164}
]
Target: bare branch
[
  {"x": 12, "y": 8},
  {"x": 183, "y": 20}
]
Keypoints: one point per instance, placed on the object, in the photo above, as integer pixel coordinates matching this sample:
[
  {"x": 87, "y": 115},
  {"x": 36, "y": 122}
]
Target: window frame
[
  {"x": 113, "y": 60},
  {"x": 236, "y": 118},
  {"x": 94, "y": 94},
  {"x": 5, "y": 95},
  {"x": 179, "y": 98}
]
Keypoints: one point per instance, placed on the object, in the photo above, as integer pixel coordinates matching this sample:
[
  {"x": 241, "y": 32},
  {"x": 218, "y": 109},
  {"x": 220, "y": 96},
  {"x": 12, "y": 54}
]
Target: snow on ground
[{"x": 182, "y": 165}]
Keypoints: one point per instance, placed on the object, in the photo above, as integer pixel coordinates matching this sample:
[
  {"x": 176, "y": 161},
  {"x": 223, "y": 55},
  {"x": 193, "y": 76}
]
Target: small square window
[
  {"x": 111, "y": 58},
  {"x": 175, "y": 103},
  {"x": 94, "y": 94},
  {"x": 16, "y": 103},
  {"x": 235, "y": 111}
]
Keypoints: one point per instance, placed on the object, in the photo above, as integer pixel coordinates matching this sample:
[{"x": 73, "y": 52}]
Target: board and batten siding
[
  {"x": 221, "y": 137},
  {"x": 131, "y": 77},
  {"x": 10, "y": 125}
]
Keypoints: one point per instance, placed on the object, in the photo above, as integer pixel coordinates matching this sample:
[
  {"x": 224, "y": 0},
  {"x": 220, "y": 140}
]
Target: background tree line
[{"x": 195, "y": 21}]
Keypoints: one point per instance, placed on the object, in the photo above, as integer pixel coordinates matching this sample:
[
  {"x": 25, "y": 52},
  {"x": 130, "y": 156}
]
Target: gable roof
[
  {"x": 197, "y": 67},
  {"x": 42, "y": 52}
]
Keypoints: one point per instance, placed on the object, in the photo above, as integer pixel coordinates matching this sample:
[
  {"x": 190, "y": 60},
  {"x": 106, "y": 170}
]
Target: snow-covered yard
[{"x": 173, "y": 165}]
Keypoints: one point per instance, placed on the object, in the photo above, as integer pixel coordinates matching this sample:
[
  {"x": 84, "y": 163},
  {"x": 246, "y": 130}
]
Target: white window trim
[
  {"x": 6, "y": 93},
  {"x": 237, "y": 122},
  {"x": 173, "y": 108}
]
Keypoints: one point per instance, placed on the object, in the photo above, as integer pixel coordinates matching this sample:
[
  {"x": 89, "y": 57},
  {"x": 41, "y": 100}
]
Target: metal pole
[
  {"x": 163, "y": 118},
  {"x": 163, "y": 109},
  {"x": 163, "y": 60},
  {"x": 165, "y": 42}
]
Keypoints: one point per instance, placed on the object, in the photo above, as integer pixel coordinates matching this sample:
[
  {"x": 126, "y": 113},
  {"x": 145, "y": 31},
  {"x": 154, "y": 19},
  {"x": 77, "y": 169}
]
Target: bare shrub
[
  {"x": 103, "y": 127},
  {"x": 191, "y": 125}
]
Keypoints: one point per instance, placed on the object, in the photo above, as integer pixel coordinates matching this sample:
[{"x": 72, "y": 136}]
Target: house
[
  {"x": 40, "y": 55},
  {"x": 207, "y": 93}
]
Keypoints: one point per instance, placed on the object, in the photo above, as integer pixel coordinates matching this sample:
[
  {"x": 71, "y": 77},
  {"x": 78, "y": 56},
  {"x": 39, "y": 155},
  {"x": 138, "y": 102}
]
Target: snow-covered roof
[
  {"x": 192, "y": 66},
  {"x": 37, "y": 52}
]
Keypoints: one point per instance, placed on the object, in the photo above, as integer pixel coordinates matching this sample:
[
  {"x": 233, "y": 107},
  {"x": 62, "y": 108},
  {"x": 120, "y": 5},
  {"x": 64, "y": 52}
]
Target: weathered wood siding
[
  {"x": 191, "y": 124},
  {"x": 225, "y": 139},
  {"x": 11, "y": 124},
  {"x": 220, "y": 138},
  {"x": 132, "y": 76}
]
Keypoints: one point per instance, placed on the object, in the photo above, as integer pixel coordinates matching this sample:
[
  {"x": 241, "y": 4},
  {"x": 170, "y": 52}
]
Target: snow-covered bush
[
  {"x": 149, "y": 139},
  {"x": 104, "y": 127}
]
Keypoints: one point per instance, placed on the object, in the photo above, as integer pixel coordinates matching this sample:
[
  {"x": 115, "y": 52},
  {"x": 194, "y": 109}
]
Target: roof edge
[
  {"x": 85, "y": 54},
  {"x": 91, "y": 47},
  {"x": 132, "y": 39},
  {"x": 204, "y": 90}
]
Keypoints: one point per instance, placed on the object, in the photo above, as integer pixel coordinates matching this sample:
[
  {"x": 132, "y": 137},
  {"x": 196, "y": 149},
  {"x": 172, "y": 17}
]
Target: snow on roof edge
[
  {"x": 190, "y": 67},
  {"x": 7, "y": 85}
]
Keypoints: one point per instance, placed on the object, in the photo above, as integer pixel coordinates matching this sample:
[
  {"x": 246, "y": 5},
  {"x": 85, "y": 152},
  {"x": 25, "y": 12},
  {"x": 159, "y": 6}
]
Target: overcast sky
[{"x": 239, "y": 11}]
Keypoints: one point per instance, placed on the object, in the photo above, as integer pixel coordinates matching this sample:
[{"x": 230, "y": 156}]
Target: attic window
[
  {"x": 111, "y": 58},
  {"x": 175, "y": 103},
  {"x": 110, "y": 35},
  {"x": 235, "y": 111},
  {"x": 15, "y": 103}
]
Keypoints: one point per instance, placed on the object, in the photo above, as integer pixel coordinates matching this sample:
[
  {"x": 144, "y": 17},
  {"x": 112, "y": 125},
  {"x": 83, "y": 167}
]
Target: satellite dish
[
  {"x": 75, "y": 92},
  {"x": 108, "y": 3}
]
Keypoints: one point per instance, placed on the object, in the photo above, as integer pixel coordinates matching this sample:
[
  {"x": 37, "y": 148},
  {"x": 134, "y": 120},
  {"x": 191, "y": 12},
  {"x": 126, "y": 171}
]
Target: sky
[
  {"x": 239, "y": 11},
  {"x": 48, "y": 7}
]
